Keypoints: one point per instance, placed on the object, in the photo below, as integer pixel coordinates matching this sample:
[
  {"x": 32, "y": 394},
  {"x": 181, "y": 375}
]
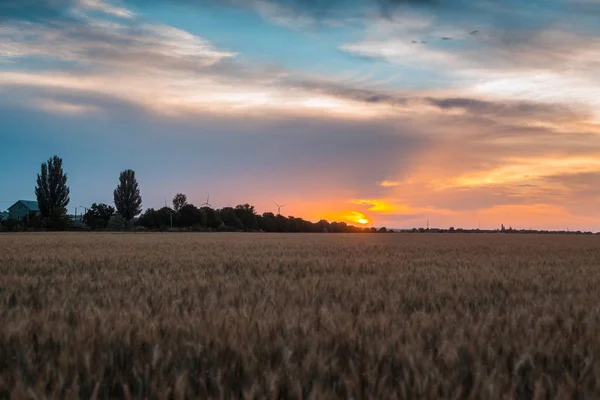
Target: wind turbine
[
  {"x": 279, "y": 207},
  {"x": 207, "y": 204}
]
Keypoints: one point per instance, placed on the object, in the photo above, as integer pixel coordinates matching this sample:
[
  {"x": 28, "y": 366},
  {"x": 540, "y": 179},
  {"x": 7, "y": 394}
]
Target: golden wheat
[{"x": 174, "y": 316}]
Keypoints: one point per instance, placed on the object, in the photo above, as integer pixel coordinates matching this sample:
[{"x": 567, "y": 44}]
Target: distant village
[
  {"x": 21, "y": 210},
  {"x": 19, "y": 213},
  {"x": 49, "y": 212}
]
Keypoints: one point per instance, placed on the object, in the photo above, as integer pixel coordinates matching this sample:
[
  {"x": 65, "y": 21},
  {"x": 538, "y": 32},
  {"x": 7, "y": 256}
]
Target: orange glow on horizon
[
  {"x": 348, "y": 216},
  {"x": 357, "y": 217}
]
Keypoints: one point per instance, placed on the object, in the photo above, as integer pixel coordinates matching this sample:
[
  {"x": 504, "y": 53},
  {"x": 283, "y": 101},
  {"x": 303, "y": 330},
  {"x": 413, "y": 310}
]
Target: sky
[{"x": 396, "y": 112}]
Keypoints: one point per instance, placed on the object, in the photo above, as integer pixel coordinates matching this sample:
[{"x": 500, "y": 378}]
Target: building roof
[{"x": 31, "y": 205}]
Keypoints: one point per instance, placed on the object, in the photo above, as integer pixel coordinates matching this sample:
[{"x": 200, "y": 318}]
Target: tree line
[{"x": 53, "y": 196}]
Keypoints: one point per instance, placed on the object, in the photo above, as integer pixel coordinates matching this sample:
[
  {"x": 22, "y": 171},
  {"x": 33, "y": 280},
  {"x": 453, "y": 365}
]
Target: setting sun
[{"x": 358, "y": 217}]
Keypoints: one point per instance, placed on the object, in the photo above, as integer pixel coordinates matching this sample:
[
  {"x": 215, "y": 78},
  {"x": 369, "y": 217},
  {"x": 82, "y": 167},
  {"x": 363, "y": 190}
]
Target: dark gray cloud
[
  {"x": 481, "y": 112},
  {"x": 35, "y": 10},
  {"x": 483, "y": 197},
  {"x": 128, "y": 45},
  {"x": 499, "y": 11},
  {"x": 472, "y": 106},
  {"x": 581, "y": 186},
  {"x": 510, "y": 109},
  {"x": 49, "y": 9},
  {"x": 348, "y": 92},
  {"x": 509, "y": 14},
  {"x": 135, "y": 47},
  {"x": 284, "y": 155}
]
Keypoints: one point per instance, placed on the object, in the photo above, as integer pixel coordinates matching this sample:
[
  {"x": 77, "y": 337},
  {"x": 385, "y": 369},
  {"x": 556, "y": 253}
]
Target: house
[
  {"x": 21, "y": 209},
  {"x": 75, "y": 217},
  {"x": 3, "y": 215}
]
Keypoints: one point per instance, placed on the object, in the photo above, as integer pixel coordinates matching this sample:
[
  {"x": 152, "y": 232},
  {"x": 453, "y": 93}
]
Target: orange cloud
[
  {"x": 518, "y": 170},
  {"x": 350, "y": 216},
  {"x": 387, "y": 183},
  {"x": 359, "y": 217},
  {"x": 381, "y": 206}
]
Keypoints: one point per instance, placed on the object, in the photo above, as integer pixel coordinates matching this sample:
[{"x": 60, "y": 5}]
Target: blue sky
[{"x": 459, "y": 112}]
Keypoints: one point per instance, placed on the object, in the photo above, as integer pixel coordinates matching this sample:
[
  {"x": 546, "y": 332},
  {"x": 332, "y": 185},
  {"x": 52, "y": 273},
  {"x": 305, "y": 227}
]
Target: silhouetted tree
[
  {"x": 246, "y": 214},
  {"x": 323, "y": 225},
  {"x": 156, "y": 219},
  {"x": 149, "y": 219},
  {"x": 167, "y": 217},
  {"x": 229, "y": 218},
  {"x": 266, "y": 222},
  {"x": 179, "y": 201},
  {"x": 127, "y": 195},
  {"x": 213, "y": 220},
  {"x": 282, "y": 223},
  {"x": 98, "y": 215},
  {"x": 52, "y": 191},
  {"x": 189, "y": 215},
  {"x": 116, "y": 223}
]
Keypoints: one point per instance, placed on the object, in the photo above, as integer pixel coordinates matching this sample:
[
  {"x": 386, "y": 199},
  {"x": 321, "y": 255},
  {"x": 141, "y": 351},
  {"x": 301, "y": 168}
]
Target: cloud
[
  {"x": 99, "y": 43},
  {"x": 510, "y": 124},
  {"x": 388, "y": 183},
  {"x": 50, "y": 11},
  {"x": 295, "y": 13},
  {"x": 65, "y": 107},
  {"x": 402, "y": 52},
  {"x": 513, "y": 109},
  {"x": 379, "y": 206},
  {"x": 525, "y": 170},
  {"x": 107, "y": 8},
  {"x": 35, "y": 10},
  {"x": 357, "y": 217},
  {"x": 551, "y": 65}
]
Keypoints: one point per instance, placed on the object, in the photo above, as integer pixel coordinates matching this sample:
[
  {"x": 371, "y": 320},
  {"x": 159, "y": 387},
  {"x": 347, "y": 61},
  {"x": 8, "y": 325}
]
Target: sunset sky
[{"x": 393, "y": 112}]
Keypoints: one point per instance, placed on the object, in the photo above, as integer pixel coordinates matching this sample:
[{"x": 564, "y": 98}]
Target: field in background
[{"x": 299, "y": 316}]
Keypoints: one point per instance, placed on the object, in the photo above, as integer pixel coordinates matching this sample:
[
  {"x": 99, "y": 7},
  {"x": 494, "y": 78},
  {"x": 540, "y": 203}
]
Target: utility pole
[{"x": 170, "y": 213}]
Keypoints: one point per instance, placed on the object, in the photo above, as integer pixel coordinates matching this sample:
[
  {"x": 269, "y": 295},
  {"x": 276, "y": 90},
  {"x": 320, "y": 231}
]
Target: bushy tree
[
  {"x": 229, "y": 218},
  {"x": 116, "y": 223},
  {"x": 52, "y": 191},
  {"x": 128, "y": 200},
  {"x": 189, "y": 216},
  {"x": 149, "y": 219},
  {"x": 245, "y": 213},
  {"x": 98, "y": 215},
  {"x": 267, "y": 223},
  {"x": 179, "y": 201},
  {"x": 212, "y": 218},
  {"x": 166, "y": 216},
  {"x": 155, "y": 219}
]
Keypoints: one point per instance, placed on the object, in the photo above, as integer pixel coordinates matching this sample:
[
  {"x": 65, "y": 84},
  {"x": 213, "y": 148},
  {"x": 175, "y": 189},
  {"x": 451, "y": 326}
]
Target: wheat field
[{"x": 292, "y": 316}]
